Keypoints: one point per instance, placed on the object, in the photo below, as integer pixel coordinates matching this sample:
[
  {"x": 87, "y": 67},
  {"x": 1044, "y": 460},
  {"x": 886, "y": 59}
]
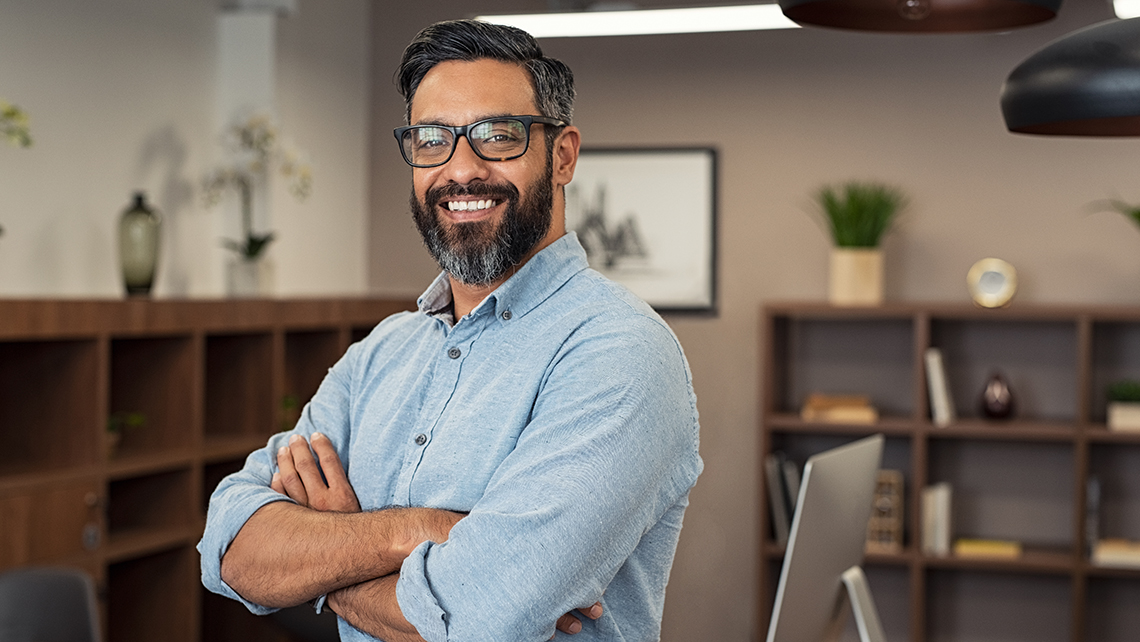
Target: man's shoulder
[{"x": 609, "y": 305}]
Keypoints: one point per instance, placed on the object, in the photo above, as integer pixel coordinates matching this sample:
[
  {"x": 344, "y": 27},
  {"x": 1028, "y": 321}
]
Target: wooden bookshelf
[
  {"x": 1022, "y": 478},
  {"x": 211, "y": 379}
]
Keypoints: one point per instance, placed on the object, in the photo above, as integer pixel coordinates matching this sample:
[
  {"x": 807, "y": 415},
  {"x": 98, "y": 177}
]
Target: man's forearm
[
  {"x": 372, "y": 607},
  {"x": 287, "y": 554}
]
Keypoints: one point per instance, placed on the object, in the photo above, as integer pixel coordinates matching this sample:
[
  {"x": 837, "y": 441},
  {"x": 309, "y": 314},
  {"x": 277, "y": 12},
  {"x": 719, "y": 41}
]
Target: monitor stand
[{"x": 859, "y": 601}]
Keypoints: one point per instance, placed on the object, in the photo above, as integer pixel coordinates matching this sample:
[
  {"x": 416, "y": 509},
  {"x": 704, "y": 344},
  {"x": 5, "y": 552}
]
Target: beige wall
[
  {"x": 121, "y": 97},
  {"x": 789, "y": 111}
]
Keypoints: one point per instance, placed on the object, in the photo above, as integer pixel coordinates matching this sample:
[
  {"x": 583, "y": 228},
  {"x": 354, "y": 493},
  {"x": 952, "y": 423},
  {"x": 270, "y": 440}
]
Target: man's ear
[{"x": 565, "y": 157}]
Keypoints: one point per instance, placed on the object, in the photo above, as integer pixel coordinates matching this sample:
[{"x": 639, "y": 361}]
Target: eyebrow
[{"x": 441, "y": 123}]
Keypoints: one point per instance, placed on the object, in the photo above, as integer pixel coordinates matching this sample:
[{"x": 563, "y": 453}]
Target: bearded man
[{"x": 513, "y": 460}]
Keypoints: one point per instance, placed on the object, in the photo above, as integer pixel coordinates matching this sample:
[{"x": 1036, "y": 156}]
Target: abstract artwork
[{"x": 647, "y": 218}]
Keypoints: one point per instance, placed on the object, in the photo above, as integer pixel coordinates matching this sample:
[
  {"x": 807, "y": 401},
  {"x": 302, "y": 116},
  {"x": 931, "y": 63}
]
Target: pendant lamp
[
  {"x": 1086, "y": 83},
  {"x": 920, "y": 16}
]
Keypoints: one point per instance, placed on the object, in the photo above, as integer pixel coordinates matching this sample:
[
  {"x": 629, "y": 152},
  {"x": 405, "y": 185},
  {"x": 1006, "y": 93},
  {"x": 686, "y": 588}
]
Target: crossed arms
[{"x": 288, "y": 553}]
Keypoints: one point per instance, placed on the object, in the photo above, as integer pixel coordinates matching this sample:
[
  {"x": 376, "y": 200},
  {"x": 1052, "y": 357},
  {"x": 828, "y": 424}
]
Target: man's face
[{"x": 480, "y": 218}]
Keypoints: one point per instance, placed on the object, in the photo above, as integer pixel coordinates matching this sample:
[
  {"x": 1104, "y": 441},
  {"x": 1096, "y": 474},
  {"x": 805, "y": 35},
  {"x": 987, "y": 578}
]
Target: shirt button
[
  {"x": 506, "y": 315},
  {"x": 454, "y": 353},
  {"x": 421, "y": 439}
]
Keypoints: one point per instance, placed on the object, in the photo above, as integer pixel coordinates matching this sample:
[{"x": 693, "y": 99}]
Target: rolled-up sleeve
[{"x": 610, "y": 450}]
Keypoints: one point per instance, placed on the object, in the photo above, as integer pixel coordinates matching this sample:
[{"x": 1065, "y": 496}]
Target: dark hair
[{"x": 470, "y": 40}]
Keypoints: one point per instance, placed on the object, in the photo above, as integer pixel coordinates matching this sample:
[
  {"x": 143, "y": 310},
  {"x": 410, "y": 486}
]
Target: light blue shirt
[{"x": 559, "y": 414}]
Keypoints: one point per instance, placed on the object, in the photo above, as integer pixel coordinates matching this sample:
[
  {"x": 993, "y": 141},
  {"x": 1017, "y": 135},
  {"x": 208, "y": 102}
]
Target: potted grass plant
[
  {"x": 858, "y": 215},
  {"x": 1124, "y": 405}
]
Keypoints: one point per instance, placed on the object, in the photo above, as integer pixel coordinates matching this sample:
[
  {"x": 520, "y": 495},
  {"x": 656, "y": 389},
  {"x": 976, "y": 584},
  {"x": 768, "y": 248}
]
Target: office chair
[{"x": 48, "y": 605}]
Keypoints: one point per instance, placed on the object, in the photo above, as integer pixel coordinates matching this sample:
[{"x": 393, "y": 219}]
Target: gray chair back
[{"x": 42, "y": 604}]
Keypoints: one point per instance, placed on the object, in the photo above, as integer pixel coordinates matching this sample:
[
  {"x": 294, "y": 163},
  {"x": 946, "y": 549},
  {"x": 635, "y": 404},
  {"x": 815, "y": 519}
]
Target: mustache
[{"x": 478, "y": 189}]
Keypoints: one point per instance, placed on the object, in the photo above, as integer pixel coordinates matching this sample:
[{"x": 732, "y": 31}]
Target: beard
[{"x": 481, "y": 252}]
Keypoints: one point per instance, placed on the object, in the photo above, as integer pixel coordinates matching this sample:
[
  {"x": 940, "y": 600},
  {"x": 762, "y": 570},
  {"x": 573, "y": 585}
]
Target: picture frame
[{"x": 647, "y": 218}]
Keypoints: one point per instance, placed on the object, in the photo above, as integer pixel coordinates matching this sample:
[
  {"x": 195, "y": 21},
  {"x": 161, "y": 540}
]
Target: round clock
[{"x": 992, "y": 283}]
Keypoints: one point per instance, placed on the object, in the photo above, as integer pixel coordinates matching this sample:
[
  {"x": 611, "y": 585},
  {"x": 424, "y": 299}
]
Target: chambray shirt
[{"x": 559, "y": 414}]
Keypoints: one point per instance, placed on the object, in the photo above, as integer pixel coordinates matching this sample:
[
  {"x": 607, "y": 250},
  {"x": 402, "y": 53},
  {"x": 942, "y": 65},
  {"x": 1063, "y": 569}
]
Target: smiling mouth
[{"x": 471, "y": 206}]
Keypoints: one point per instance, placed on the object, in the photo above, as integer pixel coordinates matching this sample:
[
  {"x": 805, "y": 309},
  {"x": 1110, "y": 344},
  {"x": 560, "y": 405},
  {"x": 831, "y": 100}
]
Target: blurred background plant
[
  {"x": 14, "y": 128},
  {"x": 859, "y": 214},
  {"x": 255, "y": 147}
]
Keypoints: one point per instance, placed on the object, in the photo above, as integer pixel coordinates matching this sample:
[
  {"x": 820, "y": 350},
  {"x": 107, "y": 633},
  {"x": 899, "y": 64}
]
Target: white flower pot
[
  {"x": 1124, "y": 416},
  {"x": 245, "y": 278},
  {"x": 856, "y": 276}
]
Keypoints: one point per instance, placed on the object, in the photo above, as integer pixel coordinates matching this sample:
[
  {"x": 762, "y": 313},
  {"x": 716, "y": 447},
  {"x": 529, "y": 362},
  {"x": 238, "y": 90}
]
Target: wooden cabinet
[
  {"x": 208, "y": 381},
  {"x": 1022, "y": 479}
]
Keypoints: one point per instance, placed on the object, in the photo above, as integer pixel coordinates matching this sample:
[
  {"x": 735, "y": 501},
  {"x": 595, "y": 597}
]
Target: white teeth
[{"x": 464, "y": 206}]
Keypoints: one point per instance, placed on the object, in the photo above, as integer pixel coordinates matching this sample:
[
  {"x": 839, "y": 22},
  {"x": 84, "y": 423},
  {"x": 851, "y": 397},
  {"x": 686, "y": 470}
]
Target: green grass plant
[{"x": 859, "y": 214}]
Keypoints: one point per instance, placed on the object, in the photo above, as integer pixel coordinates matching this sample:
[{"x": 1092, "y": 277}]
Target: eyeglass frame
[{"x": 460, "y": 131}]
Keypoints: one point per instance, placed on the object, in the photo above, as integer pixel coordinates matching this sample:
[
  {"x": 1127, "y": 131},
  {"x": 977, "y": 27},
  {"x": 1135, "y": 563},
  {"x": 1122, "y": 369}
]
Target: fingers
[
  {"x": 306, "y": 464},
  {"x": 330, "y": 462},
  {"x": 568, "y": 624},
  {"x": 593, "y": 612},
  {"x": 287, "y": 476}
]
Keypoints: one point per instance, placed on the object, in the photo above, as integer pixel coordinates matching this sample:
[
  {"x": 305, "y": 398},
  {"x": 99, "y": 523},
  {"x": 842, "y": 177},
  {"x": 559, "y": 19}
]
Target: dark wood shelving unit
[
  {"x": 1022, "y": 479},
  {"x": 211, "y": 378}
]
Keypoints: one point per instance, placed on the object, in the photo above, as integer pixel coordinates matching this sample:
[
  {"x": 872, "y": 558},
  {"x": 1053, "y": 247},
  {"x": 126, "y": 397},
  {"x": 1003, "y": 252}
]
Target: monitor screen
[{"x": 827, "y": 538}]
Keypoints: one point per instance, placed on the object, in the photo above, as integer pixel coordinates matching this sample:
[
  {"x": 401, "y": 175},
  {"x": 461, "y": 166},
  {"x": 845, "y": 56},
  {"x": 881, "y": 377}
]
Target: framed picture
[{"x": 647, "y": 218}]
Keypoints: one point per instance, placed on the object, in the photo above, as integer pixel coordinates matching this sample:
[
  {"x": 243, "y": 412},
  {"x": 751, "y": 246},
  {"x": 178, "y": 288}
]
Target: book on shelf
[
  {"x": 1092, "y": 513},
  {"x": 941, "y": 403},
  {"x": 1117, "y": 552},
  {"x": 991, "y": 548},
  {"x": 777, "y": 502},
  {"x": 791, "y": 485},
  {"x": 846, "y": 409},
  {"x": 936, "y": 522}
]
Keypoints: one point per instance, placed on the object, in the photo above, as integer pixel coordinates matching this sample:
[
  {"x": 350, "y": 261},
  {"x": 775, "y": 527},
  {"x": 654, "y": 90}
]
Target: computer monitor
[{"x": 821, "y": 573}]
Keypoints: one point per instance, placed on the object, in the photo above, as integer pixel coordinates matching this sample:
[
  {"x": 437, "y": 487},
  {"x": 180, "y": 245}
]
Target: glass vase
[{"x": 138, "y": 246}]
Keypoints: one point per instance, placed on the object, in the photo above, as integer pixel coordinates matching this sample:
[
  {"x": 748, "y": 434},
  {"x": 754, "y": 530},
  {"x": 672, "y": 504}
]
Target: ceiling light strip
[{"x": 647, "y": 21}]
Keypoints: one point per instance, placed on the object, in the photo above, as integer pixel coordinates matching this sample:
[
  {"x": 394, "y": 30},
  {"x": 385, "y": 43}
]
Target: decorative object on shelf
[
  {"x": 1082, "y": 84},
  {"x": 936, "y": 518},
  {"x": 990, "y": 548},
  {"x": 941, "y": 403},
  {"x": 1124, "y": 406},
  {"x": 845, "y": 409},
  {"x": 997, "y": 398},
  {"x": 118, "y": 424},
  {"x": 992, "y": 283},
  {"x": 858, "y": 215},
  {"x": 781, "y": 510},
  {"x": 139, "y": 228},
  {"x": 256, "y": 149},
  {"x": 1117, "y": 552},
  {"x": 885, "y": 528},
  {"x": 920, "y": 16},
  {"x": 1092, "y": 514}
]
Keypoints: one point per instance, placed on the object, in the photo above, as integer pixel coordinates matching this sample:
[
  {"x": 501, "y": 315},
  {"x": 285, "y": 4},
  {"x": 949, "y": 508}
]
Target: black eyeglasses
[{"x": 493, "y": 139}]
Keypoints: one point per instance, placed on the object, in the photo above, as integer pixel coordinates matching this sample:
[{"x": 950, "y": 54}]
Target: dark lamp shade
[
  {"x": 1086, "y": 83},
  {"x": 920, "y": 16}
]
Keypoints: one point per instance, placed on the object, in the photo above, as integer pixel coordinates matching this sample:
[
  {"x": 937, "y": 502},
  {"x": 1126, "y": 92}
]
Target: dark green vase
[{"x": 138, "y": 246}]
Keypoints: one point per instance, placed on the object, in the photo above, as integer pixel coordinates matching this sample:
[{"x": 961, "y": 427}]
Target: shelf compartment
[
  {"x": 213, "y": 474},
  {"x": 308, "y": 357},
  {"x": 152, "y": 597},
  {"x": 1117, "y": 467},
  {"x": 873, "y": 357},
  {"x": 1112, "y": 614},
  {"x": 1015, "y": 430},
  {"x": 239, "y": 385},
  {"x": 164, "y": 397},
  {"x": 48, "y": 405},
  {"x": 1038, "y": 359},
  {"x": 1008, "y": 490},
  {"x": 964, "y": 605},
  {"x": 47, "y": 522},
  {"x": 1053, "y": 561},
  {"x": 155, "y": 503},
  {"x": 1115, "y": 356}
]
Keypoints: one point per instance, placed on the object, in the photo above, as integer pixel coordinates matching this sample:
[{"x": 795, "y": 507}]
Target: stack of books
[
  {"x": 936, "y": 524},
  {"x": 992, "y": 548},
  {"x": 845, "y": 409},
  {"x": 1117, "y": 552}
]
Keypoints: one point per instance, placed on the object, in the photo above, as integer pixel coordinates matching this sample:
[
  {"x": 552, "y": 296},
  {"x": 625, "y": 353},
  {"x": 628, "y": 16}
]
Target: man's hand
[
  {"x": 299, "y": 476},
  {"x": 571, "y": 625}
]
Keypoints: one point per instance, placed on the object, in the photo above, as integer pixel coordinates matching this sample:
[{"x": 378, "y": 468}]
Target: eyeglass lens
[{"x": 500, "y": 139}]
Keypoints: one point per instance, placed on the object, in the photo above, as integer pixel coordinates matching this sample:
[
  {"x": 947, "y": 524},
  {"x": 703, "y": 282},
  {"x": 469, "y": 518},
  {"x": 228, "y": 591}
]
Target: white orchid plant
[
  {"x": 256, "y": 149},
  {"x": 14, "y": 128}
]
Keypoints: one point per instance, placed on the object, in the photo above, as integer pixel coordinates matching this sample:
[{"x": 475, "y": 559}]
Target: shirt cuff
[{"x": 414, "y": 596}]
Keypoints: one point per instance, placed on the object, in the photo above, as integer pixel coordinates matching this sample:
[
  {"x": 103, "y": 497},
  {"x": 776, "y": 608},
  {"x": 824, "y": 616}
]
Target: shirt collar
[{"x": 536, "y": 280}]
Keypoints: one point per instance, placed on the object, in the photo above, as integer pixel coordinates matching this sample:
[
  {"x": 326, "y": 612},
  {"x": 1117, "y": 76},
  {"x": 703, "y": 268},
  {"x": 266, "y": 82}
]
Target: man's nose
[{"x": 465, "y": 165}]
